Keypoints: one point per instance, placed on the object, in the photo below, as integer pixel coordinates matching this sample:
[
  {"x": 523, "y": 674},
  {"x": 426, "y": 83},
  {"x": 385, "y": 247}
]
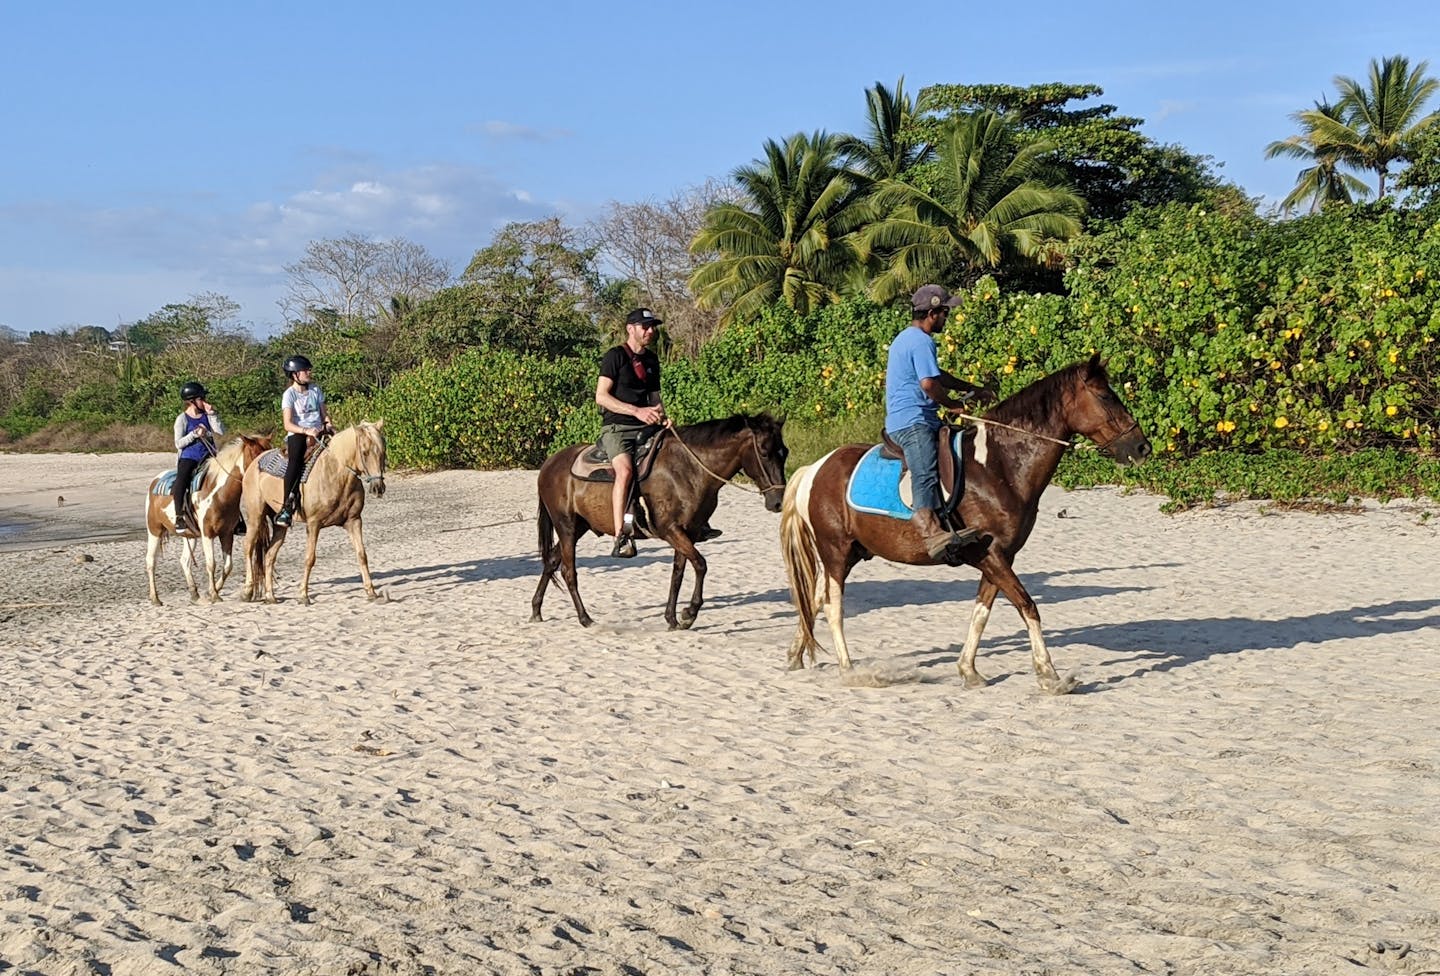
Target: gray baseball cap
[{"x": 928, "y": 297}]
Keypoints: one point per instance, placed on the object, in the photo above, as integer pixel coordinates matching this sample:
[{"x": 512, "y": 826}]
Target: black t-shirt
[{"x": 633, "y": 378}]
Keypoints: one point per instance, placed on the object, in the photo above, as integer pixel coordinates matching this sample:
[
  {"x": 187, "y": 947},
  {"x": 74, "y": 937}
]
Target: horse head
[
  {"x": 369, "y": 462},
  {"x": 1098, "y": 413},
  {"x": 765, "y": 465},
  {"x": 252, "y": 447}
]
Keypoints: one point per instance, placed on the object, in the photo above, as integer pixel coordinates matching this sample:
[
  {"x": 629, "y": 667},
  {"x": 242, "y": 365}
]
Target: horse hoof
[
  {"x": 1059, "y": 685},
  {"x": 975, "y": 680},
  {"x": 155, "y": 602},
  {"x": 586, "y": 621},
  {"x": 535, "y": 617}
]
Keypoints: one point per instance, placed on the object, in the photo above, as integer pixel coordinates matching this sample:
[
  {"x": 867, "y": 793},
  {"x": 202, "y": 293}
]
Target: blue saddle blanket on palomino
[
  {"x": 876, "y": 484},
  {"x": 165, "y": 480}
]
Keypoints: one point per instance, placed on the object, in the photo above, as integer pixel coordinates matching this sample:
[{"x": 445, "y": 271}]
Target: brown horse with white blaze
[
  {"x": 680, "y": 495},
  {"x": 1008, "y": 462},
  {"x": 217, "y": 511},
  {"x": 334, "y": 494}
]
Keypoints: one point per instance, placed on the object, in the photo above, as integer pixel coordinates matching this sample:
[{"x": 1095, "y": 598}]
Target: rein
[
  {"x": 754, "y": 443},
  {"x": 1046, "y": 437}
]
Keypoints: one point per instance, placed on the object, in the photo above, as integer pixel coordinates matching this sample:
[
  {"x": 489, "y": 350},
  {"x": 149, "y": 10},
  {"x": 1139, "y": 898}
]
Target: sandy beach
[{"x": 1245, "y": 781}]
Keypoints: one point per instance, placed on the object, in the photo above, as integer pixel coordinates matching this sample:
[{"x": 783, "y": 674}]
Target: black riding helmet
[
  {"x": 192, "y": 391},
  {"x": 295, "y": 364}
]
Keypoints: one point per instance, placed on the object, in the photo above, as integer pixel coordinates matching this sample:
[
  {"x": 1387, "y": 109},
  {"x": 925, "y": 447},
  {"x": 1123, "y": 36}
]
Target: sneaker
[
  {"x": 283, "y": 517},
  {"x": 624, "y": 547},
  {"x": 186, "y": 530}
]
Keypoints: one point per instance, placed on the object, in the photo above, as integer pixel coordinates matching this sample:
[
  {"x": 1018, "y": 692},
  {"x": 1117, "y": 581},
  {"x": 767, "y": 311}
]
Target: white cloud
[
  {"x": 511, "y": 131},
  {"x": 119, "y": 264}
]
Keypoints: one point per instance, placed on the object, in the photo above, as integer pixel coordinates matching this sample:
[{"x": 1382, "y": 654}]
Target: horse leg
[
  {"x": 312, "y": 536},
  {"x": 187, "y": 557},
  {"x": 152, "y": 552},
  {"x": 677, "y": 576},
  {"x": 996, "y": 568},
  {"x": 272, "y": 553},
  {"x": 685, "y": 551},
  {"x": 549, "y": 560},
  {"x": 567, "y": 533},
  {"x": 837, "y": 566},
  {"x": 357, "y": 539},
  {"x": 984, "y": 599},
  {"x": 212, "y": 592},
  {"x": 227, "y": 546}
]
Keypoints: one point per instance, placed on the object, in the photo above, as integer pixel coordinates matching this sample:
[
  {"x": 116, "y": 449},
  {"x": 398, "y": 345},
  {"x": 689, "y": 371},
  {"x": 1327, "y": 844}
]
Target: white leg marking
[{"x": 981, "y": 448}]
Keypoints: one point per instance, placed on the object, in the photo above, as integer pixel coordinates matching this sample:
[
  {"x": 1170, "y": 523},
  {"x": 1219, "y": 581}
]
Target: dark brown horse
[
  {"x": 1008, "y": 463},
  {"x": 680, "y": 495}
]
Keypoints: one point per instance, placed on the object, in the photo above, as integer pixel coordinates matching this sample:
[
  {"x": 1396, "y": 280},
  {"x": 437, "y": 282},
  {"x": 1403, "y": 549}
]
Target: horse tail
[
  {"x": 802, "y": 567},
  {"x": 546, "y": 530}
]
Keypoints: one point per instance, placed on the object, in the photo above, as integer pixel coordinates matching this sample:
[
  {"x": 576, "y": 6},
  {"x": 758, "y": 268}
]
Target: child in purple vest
[{"x": 195, "y": 430}]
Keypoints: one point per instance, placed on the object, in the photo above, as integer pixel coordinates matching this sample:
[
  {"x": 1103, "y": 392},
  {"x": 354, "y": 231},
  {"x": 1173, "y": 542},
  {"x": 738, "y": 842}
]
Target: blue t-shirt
[{"x": 912, "y": 359}]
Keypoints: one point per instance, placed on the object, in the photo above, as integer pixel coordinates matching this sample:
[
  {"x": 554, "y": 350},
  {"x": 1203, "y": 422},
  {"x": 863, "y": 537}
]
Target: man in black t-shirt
[{"x": 628, "y": 394}]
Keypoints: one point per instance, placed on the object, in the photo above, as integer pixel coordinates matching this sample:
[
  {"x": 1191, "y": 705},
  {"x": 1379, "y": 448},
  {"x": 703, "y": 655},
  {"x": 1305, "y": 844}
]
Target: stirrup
[
  {"x": 283, "y": 517},
  {"x": 624, "y": 547}
]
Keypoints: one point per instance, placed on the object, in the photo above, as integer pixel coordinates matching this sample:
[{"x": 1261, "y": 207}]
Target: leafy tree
[
  {"x": 1422, "y": 177},
  {"x": 891, "y": 146},
  {"x": 1322, "y": 182},
  {"x": 535, "y": 288},
  {"x": 995, "y": 198},
  {"x": 1376, "y": 121},
  {"x": 1104, "y": 157},
  {"x": 789, "y": 238}
]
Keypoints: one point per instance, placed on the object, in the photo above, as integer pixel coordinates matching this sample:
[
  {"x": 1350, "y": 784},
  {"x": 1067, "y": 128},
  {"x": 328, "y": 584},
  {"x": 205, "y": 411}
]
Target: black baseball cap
[{"x": 642, "y": 316}]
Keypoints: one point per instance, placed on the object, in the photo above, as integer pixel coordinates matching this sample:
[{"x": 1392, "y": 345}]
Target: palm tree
[
  {"x": 788, "y": 238},
  {"x": 1322, "y": 182},
  {"x": 888, "y": 148},
  {"x": 994, "y": 200},
  {"x": 1378, "y": 120}
]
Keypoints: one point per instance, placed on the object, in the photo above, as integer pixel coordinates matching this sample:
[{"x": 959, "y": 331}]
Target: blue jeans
[{"x": 923, "y": 459}]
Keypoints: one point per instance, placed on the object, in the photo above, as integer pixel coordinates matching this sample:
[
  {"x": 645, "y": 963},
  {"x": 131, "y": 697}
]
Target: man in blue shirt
[{"x": 915, "y": 386}]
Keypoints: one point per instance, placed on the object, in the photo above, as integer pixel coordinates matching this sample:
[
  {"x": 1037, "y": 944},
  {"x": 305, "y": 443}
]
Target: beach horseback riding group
[{"x": 930, "y": 493}]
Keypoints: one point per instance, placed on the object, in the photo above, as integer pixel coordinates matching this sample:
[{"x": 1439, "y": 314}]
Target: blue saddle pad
[
  {"x": 165, "y": 480},
  {"x": 874, "y": 486},
  {"x": 274, "y": 462}
]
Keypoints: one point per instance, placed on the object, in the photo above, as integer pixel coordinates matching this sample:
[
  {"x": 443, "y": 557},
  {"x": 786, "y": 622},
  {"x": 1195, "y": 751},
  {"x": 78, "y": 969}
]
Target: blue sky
[{"x": 154, "y": 151}]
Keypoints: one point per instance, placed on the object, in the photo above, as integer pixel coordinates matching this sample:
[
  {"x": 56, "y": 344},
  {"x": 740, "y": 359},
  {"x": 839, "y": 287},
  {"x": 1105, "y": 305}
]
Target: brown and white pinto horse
[
  {"x": 334, "y": 494},
  {"x": 1008, "y": 463},
  {"x": 217, "y": 511}
]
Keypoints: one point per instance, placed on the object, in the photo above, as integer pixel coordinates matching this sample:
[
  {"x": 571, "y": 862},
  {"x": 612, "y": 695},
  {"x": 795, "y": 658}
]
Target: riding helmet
[
  {"x": 192, "y": 391},
  {"x": 296, "y": 363}
]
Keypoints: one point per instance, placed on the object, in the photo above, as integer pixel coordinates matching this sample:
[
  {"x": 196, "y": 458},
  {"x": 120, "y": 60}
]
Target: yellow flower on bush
[
  {"x": 1323, "y": 426},
  {"x": 1391, "y": 411},
  {"x": 1282, "y": 422},
  {"x": 1009, "y": 368},
  {"x": 1225, "y": 426}
]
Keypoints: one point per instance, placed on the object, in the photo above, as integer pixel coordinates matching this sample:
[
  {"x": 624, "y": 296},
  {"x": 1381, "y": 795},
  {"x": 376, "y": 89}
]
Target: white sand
[{"x": 1245, "y": 782}]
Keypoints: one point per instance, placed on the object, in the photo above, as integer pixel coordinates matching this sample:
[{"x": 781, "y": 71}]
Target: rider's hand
[{"x": 650, "y": 415}]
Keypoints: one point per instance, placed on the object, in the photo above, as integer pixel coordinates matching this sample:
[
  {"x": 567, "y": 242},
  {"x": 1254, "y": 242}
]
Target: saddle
[
  {"x": 274, "y": 461},
  {"x": 876, "y": 484},
  {"x": 165, "y": 481},
  {"x": 952, "y": 462},
  {"x": 592, "y": 464}
]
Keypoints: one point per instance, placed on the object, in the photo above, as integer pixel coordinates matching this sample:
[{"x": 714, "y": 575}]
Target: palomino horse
[
  {"x": 1008, "y": 463},
  {"x": 217, "y": 511},
  {"x": 680, "y": 495},
  {"x": 333, "y": 494}
]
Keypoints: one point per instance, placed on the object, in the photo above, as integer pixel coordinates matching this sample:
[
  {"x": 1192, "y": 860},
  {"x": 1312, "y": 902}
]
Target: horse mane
[
  {"x": 710, "y": 432},
  {"x": 1042, "y": 398}
]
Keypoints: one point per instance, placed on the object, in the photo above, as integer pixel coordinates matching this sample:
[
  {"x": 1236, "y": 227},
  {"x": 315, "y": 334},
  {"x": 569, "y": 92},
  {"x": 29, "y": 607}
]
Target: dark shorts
[{"x": 617, "y": 439}]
